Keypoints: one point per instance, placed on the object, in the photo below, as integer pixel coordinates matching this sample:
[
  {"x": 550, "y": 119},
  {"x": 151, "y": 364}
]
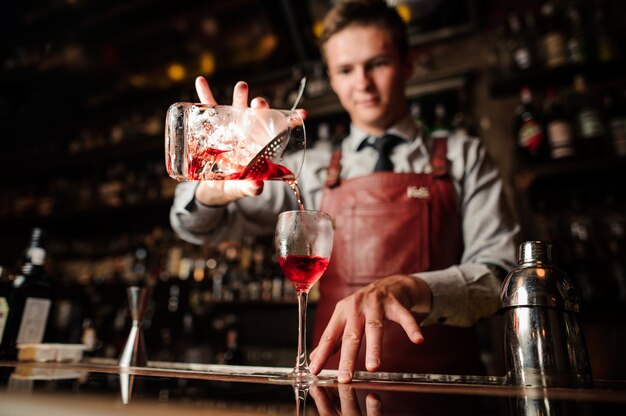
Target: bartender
[{"x": 423, "y": 234}]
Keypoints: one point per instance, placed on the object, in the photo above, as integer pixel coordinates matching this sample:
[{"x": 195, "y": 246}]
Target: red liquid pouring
[
  {"x": 267, "y": 170},
  {"x": 303, "y": 271},
  {"x": 200, "y": 160},
  {"x": 263, "y": 170}
]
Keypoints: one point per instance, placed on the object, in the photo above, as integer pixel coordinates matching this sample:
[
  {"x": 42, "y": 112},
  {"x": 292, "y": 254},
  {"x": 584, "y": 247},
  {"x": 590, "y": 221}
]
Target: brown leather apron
[{"x": 396, "y": 223}]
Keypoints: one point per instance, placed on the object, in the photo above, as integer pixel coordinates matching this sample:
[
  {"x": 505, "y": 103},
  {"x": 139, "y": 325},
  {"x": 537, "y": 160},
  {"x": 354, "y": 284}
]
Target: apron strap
[
  {"x": 438, "y": 161},
  {"x": 333, "y": 174}
]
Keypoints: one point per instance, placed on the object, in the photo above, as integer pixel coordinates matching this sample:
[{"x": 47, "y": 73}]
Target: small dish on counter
[{"x": 50, "y": 352}]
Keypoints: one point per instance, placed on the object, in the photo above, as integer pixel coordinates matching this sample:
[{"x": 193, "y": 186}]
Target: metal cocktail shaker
[{"x": 543, "y": 339}]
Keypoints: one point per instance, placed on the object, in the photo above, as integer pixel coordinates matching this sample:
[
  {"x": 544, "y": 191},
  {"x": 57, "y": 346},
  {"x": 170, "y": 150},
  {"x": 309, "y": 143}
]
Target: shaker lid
[
  {"x": 536, "y": 281},
  {"x": 535, "y": 251}
]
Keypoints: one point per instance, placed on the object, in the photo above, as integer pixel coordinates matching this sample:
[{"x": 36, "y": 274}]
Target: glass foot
[{"x": 302, "y": 378}]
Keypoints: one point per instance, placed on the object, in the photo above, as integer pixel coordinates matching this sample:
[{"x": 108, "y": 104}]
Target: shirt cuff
[
  {"x": 193, "y": 216},
  {"x": 449, "y": 295}
]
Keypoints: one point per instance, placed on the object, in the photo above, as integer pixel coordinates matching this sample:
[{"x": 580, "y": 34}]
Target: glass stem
[
  {"x": 301, "y": 393},
  {"x": 302, "y": 365}
]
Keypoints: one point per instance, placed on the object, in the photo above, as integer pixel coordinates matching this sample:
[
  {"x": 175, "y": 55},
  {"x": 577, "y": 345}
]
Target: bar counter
[{"x": 100, "y": 387}]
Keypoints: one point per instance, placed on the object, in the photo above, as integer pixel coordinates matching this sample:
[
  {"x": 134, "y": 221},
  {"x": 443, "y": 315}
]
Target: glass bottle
[
  {"x": 417, "y": 115},
  {"x": 553, "y": 38},
  {"x": 530, "y": 137},
  {"x": 500, "y": 55},
  {"x": 28, "y": 300},
  {"x": 577, "y": 45},
  {"x": 519, "y": 45},
  {"x": 558, "y": 127},
  {"x": 614, "y": 234},
  {"x": 616, "y": 113},
  {"x": 605, "y": 48},
  {"x": 581, "y": 228},
  {"x": 441, "y": 127},
  {"x": 589, "y": 124}
]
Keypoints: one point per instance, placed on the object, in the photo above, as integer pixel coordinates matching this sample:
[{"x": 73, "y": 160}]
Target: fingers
[
  {"x": 324, "y": 404},
  {"x": 373, "y": 405},
  {"x": 302, "y": 113},
  {"x": 394, "y": 311},
  {"x": 204, "y": 91},
  {"x": 373, "y": 339},
  {"x": 240, "y": 94},
  {"x": 350, "y": 344},
  {"x": 328, "y": 341},
  {"x": 348, "y": 401},
  {"x": 259, "y": 103}
]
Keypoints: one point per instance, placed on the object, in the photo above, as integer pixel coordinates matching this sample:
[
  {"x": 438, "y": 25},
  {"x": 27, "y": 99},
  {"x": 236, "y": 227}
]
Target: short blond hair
[{"x": 365, "y": 13}]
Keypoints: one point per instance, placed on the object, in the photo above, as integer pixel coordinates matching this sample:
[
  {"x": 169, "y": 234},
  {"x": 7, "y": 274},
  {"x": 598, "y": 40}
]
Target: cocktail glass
[
  {"x": 304, "y": 242},
  {"x": 205, "y": 142}
]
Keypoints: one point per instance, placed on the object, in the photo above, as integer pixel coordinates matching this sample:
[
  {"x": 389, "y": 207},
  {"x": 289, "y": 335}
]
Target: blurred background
[{"x": 85, "y": 85}]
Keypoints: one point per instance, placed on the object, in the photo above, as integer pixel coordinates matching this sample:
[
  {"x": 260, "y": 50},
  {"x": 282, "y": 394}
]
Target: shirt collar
[{"x": 405, "y": 128}]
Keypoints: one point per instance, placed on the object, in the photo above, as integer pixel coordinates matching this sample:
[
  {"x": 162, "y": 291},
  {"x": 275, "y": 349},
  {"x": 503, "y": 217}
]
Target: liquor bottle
[
  {"x": 441, "y": 127},
  {"x": 616, "y": 113},
  {"x": 558, "y": 127},
  {"x": 553, "y": 39},
  {"x": 233, "y": 354},
  {"x": 417, "y": 116},
  {"x": 533, "y": 37},
  {"x": 317, "y": 85},
  {"x": 460, "y": 125},
  {"x": 584, "y": 266},
  {"x": 577, "y": 45},
  {"x": 530, "y": 137},
  {"x": 589, "y": 124},
  {"x": 605, "y": 48},
  {"x": 519, "y": 45},
  {"x": 614, "y": 234},
  {"x": 323, "y": 136},
  {"x": 500, "y": 55},
  {"x": 28, "y": 300}
]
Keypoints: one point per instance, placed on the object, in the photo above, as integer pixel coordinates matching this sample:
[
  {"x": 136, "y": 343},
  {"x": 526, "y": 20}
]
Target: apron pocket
[{"x": 388, "y": 239}]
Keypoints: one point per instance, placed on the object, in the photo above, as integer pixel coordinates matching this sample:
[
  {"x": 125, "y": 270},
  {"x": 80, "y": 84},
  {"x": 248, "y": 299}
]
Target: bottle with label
[
  {"x": 529, "y": 134},
  {"x": 553, "y": 39},
  {"x": 558, "y": 127},
  {"x": 28, "y": 301},
  {"x": 589, "y": 124}
]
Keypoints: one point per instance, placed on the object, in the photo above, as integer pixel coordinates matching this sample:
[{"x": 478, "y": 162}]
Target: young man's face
[{"x": 368, "y": 75}]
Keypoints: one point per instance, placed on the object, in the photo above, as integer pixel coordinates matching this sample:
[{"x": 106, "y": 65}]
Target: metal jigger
[{"x": 134, "y": 353}]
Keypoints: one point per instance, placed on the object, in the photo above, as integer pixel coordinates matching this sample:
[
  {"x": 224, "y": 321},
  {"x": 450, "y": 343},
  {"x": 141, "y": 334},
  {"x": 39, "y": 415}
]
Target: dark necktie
[{"x": 383, "y": 146}]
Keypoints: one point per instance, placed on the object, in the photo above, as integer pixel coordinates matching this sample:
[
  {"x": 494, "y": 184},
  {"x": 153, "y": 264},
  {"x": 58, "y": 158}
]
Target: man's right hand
[{"x": 224, "y": 192}]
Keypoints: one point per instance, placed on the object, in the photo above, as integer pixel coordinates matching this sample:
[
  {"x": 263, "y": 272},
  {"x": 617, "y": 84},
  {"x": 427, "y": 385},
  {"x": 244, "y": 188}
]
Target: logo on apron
[{"x": 418, "y": 193}]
